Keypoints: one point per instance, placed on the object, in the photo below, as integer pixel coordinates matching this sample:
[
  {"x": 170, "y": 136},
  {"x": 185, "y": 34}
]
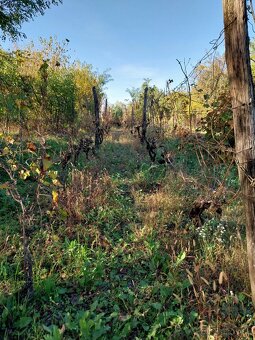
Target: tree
[
  {"x": 134, "y": 93},
  {"x": 117, "y": 111},
  {"x": 13, "y": 13},
  {"x": 40, "y": 89},
  {"x": 211, "y": 101},
  {"x": 243, "y": 106}
]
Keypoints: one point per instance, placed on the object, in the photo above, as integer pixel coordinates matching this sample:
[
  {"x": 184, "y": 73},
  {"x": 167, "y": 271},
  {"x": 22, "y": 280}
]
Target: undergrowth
[{"x": 119, "y": 258}]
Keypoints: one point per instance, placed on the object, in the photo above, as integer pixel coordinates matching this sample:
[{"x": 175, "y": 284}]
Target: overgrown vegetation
[
  {"x": 118, "y": 239},
  {"x": 42, "y": 90},
  {"x": 115, "y": 254}
]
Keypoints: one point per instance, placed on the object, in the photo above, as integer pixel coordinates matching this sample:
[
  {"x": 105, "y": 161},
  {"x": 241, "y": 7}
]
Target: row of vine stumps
[{"x": 129, "y": 241}]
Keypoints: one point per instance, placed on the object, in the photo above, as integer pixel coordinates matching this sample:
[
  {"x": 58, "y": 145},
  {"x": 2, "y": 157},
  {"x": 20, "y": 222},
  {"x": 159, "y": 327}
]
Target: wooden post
[
  {"x": 43, "y": 72},
  {"x": 242, "y": 92},
  {"x": 106, "y": 108},
  {"x": 144, "y": 122},
  {"x": 97, "y": 119},
  {"x": 132, "y": 116}
]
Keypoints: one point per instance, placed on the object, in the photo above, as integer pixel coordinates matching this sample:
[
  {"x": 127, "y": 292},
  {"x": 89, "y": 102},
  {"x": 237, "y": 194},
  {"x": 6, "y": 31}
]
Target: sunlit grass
[{"x": 125, "y": 260}]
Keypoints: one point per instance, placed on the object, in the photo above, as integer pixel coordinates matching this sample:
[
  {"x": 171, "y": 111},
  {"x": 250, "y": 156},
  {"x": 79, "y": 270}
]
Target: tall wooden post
[
  {"x": 133, "y": 116},
  {"x": 44, "y": 75},
  {"x": 144, "y": 122},
  {"x": 97, "y": 118},
  {"x": 243, "y": 105}
]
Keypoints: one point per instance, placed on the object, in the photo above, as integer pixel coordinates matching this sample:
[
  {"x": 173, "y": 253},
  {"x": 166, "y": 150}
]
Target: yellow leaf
[
  {"x": 33, "y": 167},
  {"x": 56, "y": 183},
  {"x": 24, "y": 174},
  {"x": 55, "y": 197},
  {"x": 53, "y": 174},
  {"x": 5, "y": 151}
]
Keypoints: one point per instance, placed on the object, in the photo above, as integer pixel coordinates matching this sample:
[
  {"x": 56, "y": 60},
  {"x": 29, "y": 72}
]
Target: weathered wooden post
[
  {"x": 132, "y": 116},
  {"x": 243, "y": 106},
  {"x": 144, "y": 122},
  {"x": 97, "y": 118},
  {"x": 44, "y": 74}
]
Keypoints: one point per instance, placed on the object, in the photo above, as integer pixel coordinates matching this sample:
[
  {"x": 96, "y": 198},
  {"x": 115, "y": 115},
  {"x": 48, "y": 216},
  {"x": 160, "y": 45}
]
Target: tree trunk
[
  {"x": 144, "y": 123},
  {"x": 97, "y": 119},
  {"x": 242, "y": 92}
]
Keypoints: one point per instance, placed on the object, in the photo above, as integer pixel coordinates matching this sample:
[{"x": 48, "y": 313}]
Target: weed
[{"x": 117, "y": 256}]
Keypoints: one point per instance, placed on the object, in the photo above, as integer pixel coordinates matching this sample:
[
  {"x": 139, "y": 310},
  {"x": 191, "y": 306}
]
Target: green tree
[
  {"x": 15, "y": 90},
  {"x": 134, "y": 93},
  {"x": 41, "y": 90},
  {"x": 211, "y": 101},
  {"x": 13, "y": 13},
  {"x": 61, "y": 99},
  {"x": 117, "y": 113}
]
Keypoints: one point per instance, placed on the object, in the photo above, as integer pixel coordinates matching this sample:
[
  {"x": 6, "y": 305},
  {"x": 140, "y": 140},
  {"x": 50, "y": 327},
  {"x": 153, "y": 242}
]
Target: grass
[{"x": 119, "y": 258}]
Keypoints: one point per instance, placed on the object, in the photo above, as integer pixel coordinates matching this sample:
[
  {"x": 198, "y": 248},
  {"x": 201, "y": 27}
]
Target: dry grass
[
  {"x": 122, "y": 238},
  {"x": 84, "y": 192}
]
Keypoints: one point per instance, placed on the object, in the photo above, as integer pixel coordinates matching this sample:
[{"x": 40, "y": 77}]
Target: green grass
[{"x": 123, "y": 260}]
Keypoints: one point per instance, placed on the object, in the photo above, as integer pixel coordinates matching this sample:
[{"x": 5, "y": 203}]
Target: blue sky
[{"x": 135, "y": 39}]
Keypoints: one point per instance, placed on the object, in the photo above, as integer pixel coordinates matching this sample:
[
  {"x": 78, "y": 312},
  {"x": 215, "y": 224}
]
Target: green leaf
[
  {"x": 157, "y": 305},
  {"x": 180, "y": 258},
  {"x": 23, "y": 322}
]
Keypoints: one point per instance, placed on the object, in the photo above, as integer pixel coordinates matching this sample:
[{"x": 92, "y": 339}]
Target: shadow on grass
[{"x": 118, "y": 159}]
